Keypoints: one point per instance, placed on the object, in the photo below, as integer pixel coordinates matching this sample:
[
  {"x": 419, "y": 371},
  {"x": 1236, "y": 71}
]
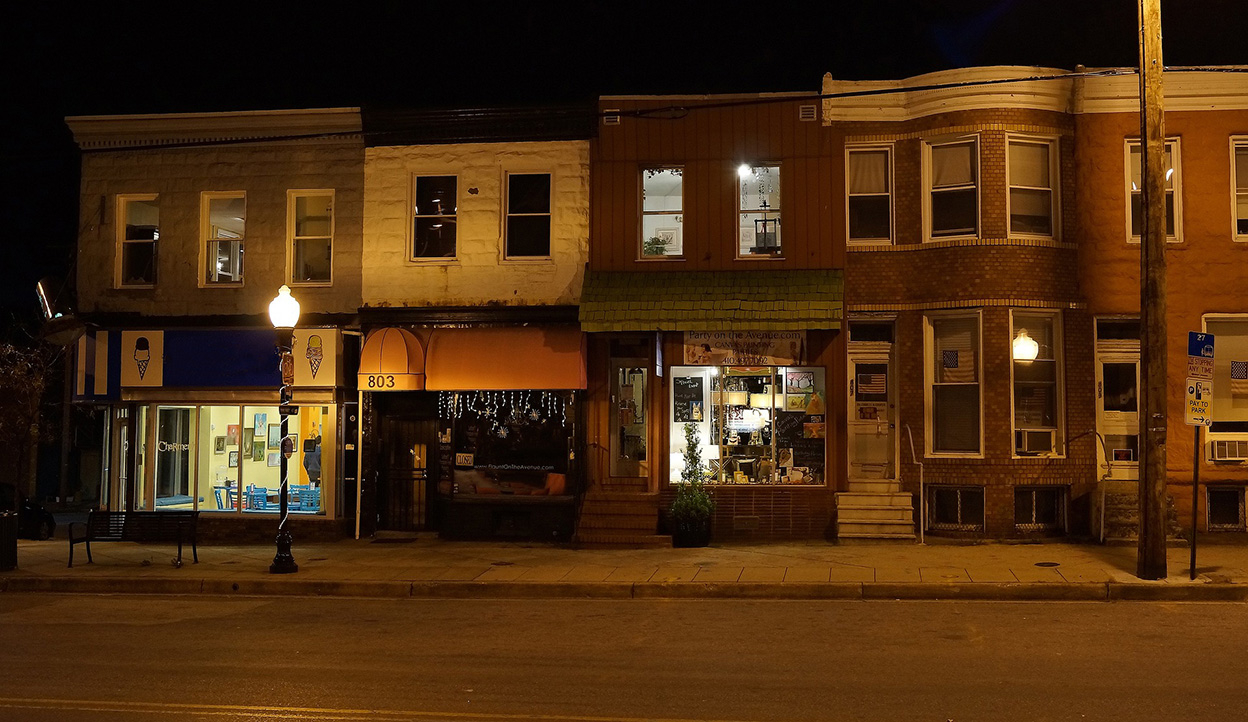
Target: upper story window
[
  {"x": 434, "y": 209},
  {"x": 953, "y": 189},
  {"x": 311, "y": 222},
  {"x": 953, "y": 384},
  {"x": 662, "y": 216},
  {"x": 1036, "y": 350},
  {"x": 1135, "y": 191},
  {"x": 223, "y": 229},
  {"x": 1240, "y": 171},
  {"x": 527, "y": 234},
  {"x": 869, "y": 185},
  {"x": 138, "y": 231},
  {"x": 1032, "y": 168},
  {"x": 758, "y": 210}
]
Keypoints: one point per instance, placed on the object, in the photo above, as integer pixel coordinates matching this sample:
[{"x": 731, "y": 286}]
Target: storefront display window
[
  {"x": 505, "y": 444},
  {"x": 227, "y": 459},
  {"x": 756, "y": 424}
]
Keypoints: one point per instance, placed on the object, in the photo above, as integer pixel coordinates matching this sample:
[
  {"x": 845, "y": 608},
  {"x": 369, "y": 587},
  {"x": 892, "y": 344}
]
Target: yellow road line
[{"x": 315, "y": 713}]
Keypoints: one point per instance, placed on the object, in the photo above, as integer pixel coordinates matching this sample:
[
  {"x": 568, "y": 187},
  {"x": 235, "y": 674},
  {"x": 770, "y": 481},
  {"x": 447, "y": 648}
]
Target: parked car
[{"x": 33, "y": 521}]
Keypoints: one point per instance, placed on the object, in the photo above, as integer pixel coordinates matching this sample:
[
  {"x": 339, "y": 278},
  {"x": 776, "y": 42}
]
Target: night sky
[{"x": 136, "y": 57}]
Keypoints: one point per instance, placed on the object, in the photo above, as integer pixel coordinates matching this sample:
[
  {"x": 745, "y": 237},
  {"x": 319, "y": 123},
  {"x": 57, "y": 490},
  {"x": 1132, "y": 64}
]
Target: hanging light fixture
[{"x": 1025, "y": 347}]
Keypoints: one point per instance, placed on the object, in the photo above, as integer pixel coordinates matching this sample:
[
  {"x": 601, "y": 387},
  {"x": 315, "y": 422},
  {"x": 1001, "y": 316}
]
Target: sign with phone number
[{"x": 391, "y": 382}]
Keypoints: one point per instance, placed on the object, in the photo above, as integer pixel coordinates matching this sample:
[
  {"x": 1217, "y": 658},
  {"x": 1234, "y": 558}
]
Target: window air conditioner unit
[
  {"x": 1034, "y": 441},
  {"x": 1229, "y": 449}
]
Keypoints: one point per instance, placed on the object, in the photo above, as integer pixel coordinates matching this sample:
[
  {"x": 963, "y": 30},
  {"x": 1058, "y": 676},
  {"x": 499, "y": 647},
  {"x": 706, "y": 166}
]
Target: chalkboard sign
[
  {"x": 687, "y": 399},
  {"x": 789, "y": 426},
  {"x": 809, "y": 453}
]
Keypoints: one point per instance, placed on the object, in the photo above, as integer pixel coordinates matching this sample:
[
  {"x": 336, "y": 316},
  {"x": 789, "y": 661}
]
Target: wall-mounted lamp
[{"x": 1025, "y": 347}]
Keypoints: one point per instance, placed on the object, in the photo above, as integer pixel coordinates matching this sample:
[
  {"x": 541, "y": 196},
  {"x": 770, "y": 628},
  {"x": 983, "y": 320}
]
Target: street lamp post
[{"x": 284, "y": 312}]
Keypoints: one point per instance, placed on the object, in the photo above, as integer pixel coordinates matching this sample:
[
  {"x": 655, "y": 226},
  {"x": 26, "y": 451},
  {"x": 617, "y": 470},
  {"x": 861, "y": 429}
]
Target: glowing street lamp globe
[
  {"x": 284, "y": 310},
  {"x": 1025, "y": 347}
]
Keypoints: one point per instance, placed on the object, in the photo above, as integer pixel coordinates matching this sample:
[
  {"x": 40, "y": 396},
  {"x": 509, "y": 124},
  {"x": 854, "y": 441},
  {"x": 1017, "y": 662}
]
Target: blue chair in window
[
  {"x": 296, "y": 492},
  {"x": 232, "y": 495},
  {"x": 216, "y": 490},
  {"x": 310, "y": 501},
  {"x": 257, "y": 498}
]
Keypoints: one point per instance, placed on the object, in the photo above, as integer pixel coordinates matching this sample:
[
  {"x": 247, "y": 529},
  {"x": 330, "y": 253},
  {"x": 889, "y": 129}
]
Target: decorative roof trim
[{"x": 116, "y": 132}]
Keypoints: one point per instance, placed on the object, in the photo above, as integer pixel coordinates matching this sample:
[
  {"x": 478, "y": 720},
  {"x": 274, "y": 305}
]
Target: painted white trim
[
  {"x": 888, "y": 148},
  {"x": 1184, "y": 91},
  {"x": 1055, "y": 183},
  {"x": 896, "y": 100},
  {"x": 929, "y": 380},
  {"x": 409, "y": 252},
  {"x": 1059, "y": 361},
  {"x": 204, "y": 223},
  {"x": 292, "y": 194},
  {"x": 1237, "y": 141},
  {"x": 1172, "y": 144},
  {"x": 926, "y": 172}
]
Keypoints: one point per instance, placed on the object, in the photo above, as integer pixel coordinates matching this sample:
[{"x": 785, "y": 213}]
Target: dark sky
[{"x": 60, "y": 59}]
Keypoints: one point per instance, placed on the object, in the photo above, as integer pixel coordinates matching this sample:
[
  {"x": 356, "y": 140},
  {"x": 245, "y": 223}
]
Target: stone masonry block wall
[
  {"x": 179, "y": 175},
  {"x": 479, "y": 274}
]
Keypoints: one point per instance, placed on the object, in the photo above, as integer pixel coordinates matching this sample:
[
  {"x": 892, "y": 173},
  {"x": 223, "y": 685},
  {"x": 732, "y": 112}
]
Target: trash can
[{"x": 8, "y": 541}]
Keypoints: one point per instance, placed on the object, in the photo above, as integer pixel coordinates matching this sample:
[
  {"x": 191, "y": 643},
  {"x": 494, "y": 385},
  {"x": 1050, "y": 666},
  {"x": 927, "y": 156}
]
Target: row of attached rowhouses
[{"x": 885, "y": 310}]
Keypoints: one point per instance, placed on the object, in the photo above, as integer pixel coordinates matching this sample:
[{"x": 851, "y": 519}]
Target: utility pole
[{"x": 1151, "y": 560}]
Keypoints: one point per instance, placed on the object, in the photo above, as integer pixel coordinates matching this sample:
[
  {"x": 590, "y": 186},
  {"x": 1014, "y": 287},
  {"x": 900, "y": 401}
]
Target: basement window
[
  {"x": 1226, "y": 509},
  {"x": 956, "y": 508},
  {"x": 1039, "y": 508}
]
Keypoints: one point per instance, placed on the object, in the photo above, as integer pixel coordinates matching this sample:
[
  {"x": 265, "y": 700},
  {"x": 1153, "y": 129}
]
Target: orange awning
[
  {"x": 392, "y": 360},
  {"x": 505, "y": 359}
]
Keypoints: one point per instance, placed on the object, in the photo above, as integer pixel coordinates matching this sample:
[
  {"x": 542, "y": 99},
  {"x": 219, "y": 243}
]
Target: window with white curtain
[
  {"x": 1135, "y": 183},
  {"x": 953, "y": 189},
  {"x": 869, "y": 194},
  {"x": 953, "y": 383},
  {"x": 1033, "y": 173}
]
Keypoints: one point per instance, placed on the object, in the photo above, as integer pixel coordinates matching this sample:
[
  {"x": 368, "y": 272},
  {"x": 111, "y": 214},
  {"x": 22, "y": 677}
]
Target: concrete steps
[
  {"x": 615, "y": 517},
  {"x": 1122, "y": 518},
  {"x": 874, "y": 509}
]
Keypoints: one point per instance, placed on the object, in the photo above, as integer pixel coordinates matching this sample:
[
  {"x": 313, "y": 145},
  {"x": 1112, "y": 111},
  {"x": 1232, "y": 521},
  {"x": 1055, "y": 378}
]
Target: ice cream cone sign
[
  {"x": 142, "y": 354},
  {"x": 315, "y": 354},
  {"x": 142, "y": 358}
]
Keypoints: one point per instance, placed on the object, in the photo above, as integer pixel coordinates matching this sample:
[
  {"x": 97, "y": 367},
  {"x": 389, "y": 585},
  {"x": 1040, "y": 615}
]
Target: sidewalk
[{"x": 428, "y": 567}]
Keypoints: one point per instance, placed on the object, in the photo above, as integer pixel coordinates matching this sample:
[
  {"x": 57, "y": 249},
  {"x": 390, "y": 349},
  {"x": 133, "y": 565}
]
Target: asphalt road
[{"x": 147, "y": 658}]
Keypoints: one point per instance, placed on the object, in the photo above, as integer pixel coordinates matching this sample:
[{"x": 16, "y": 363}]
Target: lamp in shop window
[
  {"x": 284, "y": 313},
  {"x": 1025, "y": 347}
]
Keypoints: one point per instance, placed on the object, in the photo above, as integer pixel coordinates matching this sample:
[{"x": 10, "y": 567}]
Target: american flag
[
  {"x": 1239, "y": 378},
  {"x": 872, "y": 383},
  {"x": 957, "y": 366}
]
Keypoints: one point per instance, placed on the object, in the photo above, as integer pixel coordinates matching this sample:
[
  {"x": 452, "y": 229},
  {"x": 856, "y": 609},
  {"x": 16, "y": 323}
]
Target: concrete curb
[{"x": 864, "y": 591}]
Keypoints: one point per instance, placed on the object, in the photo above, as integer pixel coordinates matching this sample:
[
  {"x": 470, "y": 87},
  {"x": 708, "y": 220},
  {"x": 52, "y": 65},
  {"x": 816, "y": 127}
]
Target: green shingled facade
[{"x": 712, "y": 301}]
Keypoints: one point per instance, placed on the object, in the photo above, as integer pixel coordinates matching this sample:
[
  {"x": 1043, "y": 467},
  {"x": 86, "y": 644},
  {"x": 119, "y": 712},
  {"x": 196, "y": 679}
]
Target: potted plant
[
  {"x": 654, "y": 246},
  {"x": 692, "y": 508}
]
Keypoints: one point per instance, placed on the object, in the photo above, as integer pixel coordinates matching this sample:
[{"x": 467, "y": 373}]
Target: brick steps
[{"x": 614, "y": 517}]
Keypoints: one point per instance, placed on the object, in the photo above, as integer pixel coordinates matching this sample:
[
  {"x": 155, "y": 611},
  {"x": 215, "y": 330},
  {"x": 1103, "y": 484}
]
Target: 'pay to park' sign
[{"x": 1199, "y": 403}]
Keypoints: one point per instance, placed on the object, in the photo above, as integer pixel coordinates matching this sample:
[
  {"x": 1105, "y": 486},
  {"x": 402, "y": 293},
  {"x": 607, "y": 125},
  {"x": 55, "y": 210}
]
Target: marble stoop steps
[
  {"x": 1122, "y": 518},
  {"x": 874, "y": 509},
  {"x": 620, "y": 517}
]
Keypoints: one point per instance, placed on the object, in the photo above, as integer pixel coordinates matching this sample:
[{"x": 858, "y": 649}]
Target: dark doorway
[{"x": 406, "y": 474}]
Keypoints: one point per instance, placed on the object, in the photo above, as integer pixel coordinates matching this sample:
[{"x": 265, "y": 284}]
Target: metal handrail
[{"x": 922, "y": 496}]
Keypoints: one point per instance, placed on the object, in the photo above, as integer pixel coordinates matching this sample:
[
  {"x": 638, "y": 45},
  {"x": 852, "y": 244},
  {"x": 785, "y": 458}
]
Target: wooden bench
[{"x": 136, "y": 526}]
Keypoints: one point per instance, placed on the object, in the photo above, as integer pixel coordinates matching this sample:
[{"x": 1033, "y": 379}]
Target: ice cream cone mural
[
  {"x": 142, "y": 354},
  {"x": 315, "y": 353}
]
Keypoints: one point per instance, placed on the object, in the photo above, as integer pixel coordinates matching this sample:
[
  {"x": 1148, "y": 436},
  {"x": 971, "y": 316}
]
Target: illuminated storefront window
[{"x": 756, "y": 424}]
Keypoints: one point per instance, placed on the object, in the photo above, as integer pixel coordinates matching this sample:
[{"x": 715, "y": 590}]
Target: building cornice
[
  {"x": 961, "y": 89},
  {"x": 1183, "y": 90},
  {"x": 118, "y": 132}
]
